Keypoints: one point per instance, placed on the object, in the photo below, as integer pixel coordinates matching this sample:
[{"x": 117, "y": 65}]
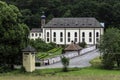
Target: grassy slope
[
  {"x": 48, "y": 54},
  {"x": 90, "y": 73}
]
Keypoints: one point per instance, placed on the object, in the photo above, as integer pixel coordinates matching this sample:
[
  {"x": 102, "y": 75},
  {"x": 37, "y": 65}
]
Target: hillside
[{"x": 107, "y": 11}]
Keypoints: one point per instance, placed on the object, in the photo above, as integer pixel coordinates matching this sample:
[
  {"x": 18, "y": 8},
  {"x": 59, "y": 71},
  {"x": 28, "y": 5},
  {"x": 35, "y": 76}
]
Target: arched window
[
  {"x": 68, "y": 34},
  {"x": 75, "y": 34},
  {"x": 61, "y": 34},
  {"x": 36, "y": 34},
  {"x": 97, "y": 34},
  {"x": 83, "y": 34},
  {"x": 54, "y": 34},
  {"x": 47, "y": 34},
  {"x": 39, "y": 34},
  {"x": 90, "y": 34}
]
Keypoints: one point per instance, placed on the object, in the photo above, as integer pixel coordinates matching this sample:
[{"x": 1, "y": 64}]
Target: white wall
[
  {"x": 68, "y": 54},
  {"x": 72, "y": 33},
  {"x": 86, "y": 31},
  {"x": 65, "y": 34},
  {"x": 39, "y": 35}
]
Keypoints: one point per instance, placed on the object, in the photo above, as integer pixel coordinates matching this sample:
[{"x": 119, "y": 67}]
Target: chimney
[{"x": 43, "y": 17}]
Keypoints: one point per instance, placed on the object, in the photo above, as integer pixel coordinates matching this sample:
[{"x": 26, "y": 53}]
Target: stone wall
[{"x": 68, "y": 54}]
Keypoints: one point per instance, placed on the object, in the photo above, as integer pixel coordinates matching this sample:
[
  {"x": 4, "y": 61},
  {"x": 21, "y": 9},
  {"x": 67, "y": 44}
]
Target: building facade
[{"x": 64, "y": 30}]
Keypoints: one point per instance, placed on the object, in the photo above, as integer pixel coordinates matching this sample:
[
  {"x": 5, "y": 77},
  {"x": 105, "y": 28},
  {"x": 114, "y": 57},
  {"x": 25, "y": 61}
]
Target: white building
[{"x": 64, "y": 30}]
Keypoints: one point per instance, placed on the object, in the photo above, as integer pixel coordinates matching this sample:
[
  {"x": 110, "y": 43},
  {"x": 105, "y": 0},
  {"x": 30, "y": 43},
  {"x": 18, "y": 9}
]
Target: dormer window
[
  {"x": 83, "y": 24},
  {"x": 68, "y": 24},
  {"x": 54, "y": 24},
  {"x": 61, "y": 24},
  {"x": 89, "y": 24},
  {"x": 76, "y": 24}
]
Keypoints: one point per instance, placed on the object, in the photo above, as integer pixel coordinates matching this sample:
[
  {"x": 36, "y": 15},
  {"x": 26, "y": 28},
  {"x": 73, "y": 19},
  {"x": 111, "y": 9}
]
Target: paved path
[{"x": 80, "y": 61}]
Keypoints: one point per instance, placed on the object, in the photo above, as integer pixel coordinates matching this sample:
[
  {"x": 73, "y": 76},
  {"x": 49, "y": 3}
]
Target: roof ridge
[{"x": 76, "y": 22}]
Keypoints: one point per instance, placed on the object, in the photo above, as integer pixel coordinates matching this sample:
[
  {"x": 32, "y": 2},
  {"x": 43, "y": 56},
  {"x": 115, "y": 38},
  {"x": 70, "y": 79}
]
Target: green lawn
[
  {"x": 56, "y": 74},
  {"x": 49, "y": 54},
  {"x": 90, "y": 73}
]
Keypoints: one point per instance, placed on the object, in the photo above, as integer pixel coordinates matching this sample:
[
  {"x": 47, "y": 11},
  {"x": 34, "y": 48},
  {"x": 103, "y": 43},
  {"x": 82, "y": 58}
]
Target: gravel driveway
[{"x": 80, "y": 61}]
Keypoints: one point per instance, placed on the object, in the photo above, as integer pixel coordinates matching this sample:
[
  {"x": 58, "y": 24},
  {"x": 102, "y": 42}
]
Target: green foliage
[
  {"x": 96, "y": 63},
  {"x": 53, "y": 50},
  {"x": 108, "y": 61},
  {"x": 42, "y": 55},
  {"x": 104, "y": 10},
  {"x": 110, "y": 48},
  {"x": 38, "y": 64},
  {"x": 51, "y": 53},
  {"x": 22, "y": 69},
  {"x": 65, "y": 62},
  {"x": 42, "y": 46},
  {"x": 14, "y": 34},
  {"x": 82, "y": 44}
]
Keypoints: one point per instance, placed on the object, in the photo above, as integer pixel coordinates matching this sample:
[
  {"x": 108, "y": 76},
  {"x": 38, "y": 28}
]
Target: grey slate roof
[
  {"x": 29, "y": 49},
  {"x": 84, "y": 22},
  {"x": 36, "y": 30}
]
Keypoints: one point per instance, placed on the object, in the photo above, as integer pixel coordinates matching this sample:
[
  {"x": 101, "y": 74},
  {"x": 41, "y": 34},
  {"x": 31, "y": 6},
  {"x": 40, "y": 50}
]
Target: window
[
  {"x": 83, "y": 34},
  {"x": 97, "y": 39},
  {"x": 61, "y": 34},
  {"x": 54, "y": 34},
  {"x": 75, "y": 34},
  {"x": 97, "y": 34},
  {"x": 32, "y": 34},
  {"x": 75, "y": 39},
  {"x": 39, "y": 34},
  {"x": 54, "y": 39},
  {"x": 47, "y": 39},
  {"x": 90, "y": 34},
  {"x": 90, "y": 39},
  {"x": 83, "y": 39},
  {"x": 47, "y": 34},
  {"x": 26, "y": 53},
  {"x": 36, "y": 34},
  {"x": 68, "y": 34},
  {"x": 68, "y": 39},
  {"x": 61, "y": 39}
]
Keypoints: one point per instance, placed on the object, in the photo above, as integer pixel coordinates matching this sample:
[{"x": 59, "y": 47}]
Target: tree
[
  {"x": 105, "y": 13},
  {"x": 14, "y": 34},
  {"x": 110, "y": 48},
  {"x": 65, "y": 62}
]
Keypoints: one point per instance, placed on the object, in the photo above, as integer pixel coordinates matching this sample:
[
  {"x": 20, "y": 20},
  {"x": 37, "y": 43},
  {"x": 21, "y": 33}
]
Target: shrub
[
  {"x": 82, "y": 44},
  {"x": 65, "y": 62},
  {"x": 108, "y": 62},
  {"x": 38, "y": 64},
  {"x": 23, "y": 69},
  {"x": 41, "y": 45}
]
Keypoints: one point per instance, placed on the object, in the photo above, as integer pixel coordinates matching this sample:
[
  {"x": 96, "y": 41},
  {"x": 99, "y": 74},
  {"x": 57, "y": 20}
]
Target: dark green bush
[
  {"x": 82, "y": 44},
  {"x": 108, "y": 62},
  {"x": 65, "y": 62},
  {"x": 37, "y": 64}
]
